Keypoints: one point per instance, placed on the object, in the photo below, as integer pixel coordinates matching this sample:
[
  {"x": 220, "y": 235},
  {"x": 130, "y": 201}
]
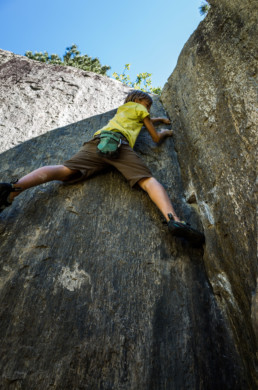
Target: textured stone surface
[
  {"x": 35, "y": 98},
  {"x": 211, "y": 98},
  {"x": 95, "y": 293}
]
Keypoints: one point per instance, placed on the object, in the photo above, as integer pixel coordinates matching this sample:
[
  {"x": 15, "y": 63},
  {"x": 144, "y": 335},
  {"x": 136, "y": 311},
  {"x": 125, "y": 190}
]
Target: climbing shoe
[
  {"x": 5, "y": 190},
  {"x": 183, "y": 229}
]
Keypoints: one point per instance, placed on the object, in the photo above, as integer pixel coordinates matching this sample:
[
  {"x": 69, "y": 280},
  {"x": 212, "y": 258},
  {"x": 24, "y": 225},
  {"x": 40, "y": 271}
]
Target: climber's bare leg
[
  {"x": 42, "y": 175},
  {"x": 159, "y": 196}
]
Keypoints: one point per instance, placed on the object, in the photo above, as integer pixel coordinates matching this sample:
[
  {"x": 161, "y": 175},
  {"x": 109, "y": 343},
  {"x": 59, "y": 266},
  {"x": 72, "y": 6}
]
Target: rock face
[
  {"x": 36, "y": 98},
  {"x": 95, "y": 293},
  {"x": 211, "y": 97}
]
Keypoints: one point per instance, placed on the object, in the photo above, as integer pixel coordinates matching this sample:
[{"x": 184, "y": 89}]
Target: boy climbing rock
[{"x": 113, "y": 145}]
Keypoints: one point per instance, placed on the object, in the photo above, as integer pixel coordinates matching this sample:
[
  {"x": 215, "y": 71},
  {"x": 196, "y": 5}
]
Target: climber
[{"x": 113, "y": 145}]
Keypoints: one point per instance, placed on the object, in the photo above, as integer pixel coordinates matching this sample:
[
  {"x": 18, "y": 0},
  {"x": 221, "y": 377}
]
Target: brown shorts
[{"x": 88, "y": 162}]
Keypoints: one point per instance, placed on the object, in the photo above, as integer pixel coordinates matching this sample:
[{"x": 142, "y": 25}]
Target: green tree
[
  {"x": 204, "y": 8},
  {"x": 142, "y": 81},
  {"x": 72, "y": 57}
]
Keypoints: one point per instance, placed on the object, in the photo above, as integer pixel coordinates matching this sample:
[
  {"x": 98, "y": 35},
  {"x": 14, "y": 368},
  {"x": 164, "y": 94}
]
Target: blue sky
[{"x": 147, "y": 34}]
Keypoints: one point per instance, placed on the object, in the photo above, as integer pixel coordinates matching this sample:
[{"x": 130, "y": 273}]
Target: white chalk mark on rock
[
  {"x": 206, "y": 212},
  {"x": 73, "y": 279}
]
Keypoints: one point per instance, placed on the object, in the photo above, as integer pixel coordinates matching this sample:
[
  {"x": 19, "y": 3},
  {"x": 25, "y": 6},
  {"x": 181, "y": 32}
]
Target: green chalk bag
[{"x": 109, "y": 144}]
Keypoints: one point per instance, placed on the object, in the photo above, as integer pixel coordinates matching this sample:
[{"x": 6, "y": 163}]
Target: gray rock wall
[
  {"x": 211, "y": 98},
  {"x": 95, "y": 293},
  {"x": 35, "y": 99}
]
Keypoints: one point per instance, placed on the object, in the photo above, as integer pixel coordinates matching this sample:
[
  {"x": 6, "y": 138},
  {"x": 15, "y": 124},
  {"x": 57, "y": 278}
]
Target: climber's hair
[{"x": 139, "y": 95}]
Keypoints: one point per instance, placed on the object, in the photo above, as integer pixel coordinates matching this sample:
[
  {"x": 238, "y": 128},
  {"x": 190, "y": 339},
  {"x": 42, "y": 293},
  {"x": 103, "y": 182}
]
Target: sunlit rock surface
[
  {"x": 36, "y": 98},
  {"x": 211, "y": 98}
]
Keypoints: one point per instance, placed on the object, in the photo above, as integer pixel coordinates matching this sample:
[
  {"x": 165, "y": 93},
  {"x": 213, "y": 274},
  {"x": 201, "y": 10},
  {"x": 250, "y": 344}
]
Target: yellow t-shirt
[{"x": 128, "y": 121}]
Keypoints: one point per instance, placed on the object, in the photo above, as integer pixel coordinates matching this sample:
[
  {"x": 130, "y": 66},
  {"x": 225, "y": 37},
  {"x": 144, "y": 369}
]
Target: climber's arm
[
  {"x": 157, "y": 136},
  {"x": 166, "y": 121}
]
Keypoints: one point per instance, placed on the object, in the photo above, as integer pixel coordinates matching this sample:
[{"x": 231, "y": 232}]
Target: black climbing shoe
[
  {"x": 182, "y": 229},
  {"x": 5, "y": 190}
]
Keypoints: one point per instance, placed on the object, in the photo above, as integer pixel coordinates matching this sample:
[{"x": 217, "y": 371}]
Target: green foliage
[
  {"x": 72, "y": 57},
  {"x": 142, "y": 82},
  {"x": 204, "y": 8}
]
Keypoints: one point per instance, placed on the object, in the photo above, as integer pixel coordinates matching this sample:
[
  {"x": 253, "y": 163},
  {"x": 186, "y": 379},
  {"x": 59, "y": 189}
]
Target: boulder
[
  {"x": 211, "y": 98},
  {"x": 36, "y": 98},
  {"x": 95, "y": 293}
]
